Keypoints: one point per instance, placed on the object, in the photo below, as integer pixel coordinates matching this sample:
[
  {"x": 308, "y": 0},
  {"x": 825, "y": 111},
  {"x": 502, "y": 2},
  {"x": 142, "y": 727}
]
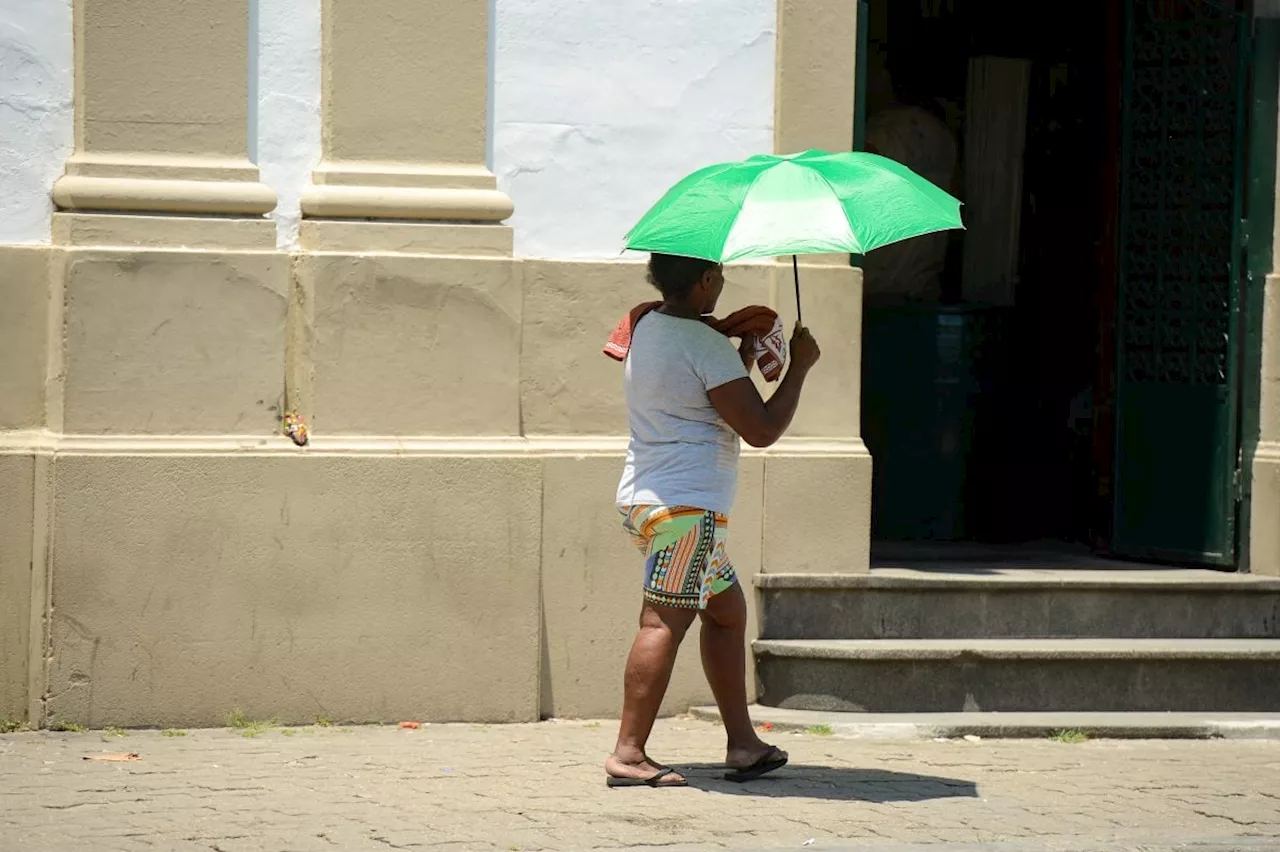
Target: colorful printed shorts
[{"x": 685, "y": 558}]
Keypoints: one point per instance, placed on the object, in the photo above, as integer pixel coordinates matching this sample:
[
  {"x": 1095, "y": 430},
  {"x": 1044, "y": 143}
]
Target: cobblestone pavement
[{"x": 534, "y": 787}]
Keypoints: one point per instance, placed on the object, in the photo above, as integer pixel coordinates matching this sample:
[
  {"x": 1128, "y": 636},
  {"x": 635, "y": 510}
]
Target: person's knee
[{"x": 666, "y": 619}]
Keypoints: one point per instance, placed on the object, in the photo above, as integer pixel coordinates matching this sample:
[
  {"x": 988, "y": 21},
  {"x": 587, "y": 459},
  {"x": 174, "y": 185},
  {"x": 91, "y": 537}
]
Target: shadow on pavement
[{"x": 826, "y": 782}]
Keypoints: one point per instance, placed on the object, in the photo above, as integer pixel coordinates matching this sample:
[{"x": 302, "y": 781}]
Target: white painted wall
[
  {"x": 600, "y": 105},
  {"x": 596, "y": 108},
  {"x": 37, "y": 122},
  {"x": 36, "y": 119},
  {"x": 288, "y": 109}
]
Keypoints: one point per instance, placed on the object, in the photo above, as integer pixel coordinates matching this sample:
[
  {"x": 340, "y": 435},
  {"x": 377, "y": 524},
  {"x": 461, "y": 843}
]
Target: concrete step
[
  {"x": 1020, "y": 675},
  {"x": 1065, "y": 726},
  {"x": 1011, "y": 603}
]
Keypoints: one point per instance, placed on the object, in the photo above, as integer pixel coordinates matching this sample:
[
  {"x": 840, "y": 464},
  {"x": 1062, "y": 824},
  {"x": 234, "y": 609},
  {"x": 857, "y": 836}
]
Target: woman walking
[{"x": 689, "y": 401}]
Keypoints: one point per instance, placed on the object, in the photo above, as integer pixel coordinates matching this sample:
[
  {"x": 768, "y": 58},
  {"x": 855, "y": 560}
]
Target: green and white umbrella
[{"x": 809, "y": 203}]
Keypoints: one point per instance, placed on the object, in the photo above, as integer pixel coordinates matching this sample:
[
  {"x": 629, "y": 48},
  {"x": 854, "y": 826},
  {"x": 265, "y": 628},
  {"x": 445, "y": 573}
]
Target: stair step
[
  {"x": 917, "y": 726},
  {"x": 1020, "y": 675},
  {"x": 916, "y": 604},
  {"x": 1023, "y": 649}
]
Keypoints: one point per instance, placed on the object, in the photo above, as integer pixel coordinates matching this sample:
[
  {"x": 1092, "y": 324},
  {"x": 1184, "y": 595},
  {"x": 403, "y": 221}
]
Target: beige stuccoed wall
[
  {"x": 802, "y": 506},
  {"x": 568, "y": 386},
  {"x": 294, "y": 585},
  {"x": 818, "y": 481},
  {"x": 1264, "y": 548},
  {"x": 17, "y": 499},
  {"x": 831, "y": 298},
  {"x": 591, "y": 578},
  {"x": 446, "y": 547},
  {"x": 387, "y": 156},
  {"x": 816, "y": 64},
  {"x": 174, "y": 342},
  {"x": 368, "y": 578},
  {"x": 817, "y": 490},
  {"x": 161, "y": 109},
  {"x": 376, "y": 50},
  {"x": 24, "y": 295},
  {"x": 232, "y": 554},
  {"x": 1264, "y": 521},
  {"x": 402, "y": 345},
  {"x": 26, "y": 275},
  {"x": 120, "y": 48}
]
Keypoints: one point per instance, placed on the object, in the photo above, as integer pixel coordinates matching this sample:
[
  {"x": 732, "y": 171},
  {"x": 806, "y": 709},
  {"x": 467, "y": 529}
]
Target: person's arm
[
  {"x": 747, "y": 350},
  {"x": 761, "y": 423}
]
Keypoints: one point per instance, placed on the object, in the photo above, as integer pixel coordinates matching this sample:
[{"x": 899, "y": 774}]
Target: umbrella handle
[{"x": 795, "y": 270}]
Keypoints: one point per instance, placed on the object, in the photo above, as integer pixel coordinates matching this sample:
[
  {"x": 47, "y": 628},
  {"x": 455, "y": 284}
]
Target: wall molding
[{"x": 46, "y": 443}]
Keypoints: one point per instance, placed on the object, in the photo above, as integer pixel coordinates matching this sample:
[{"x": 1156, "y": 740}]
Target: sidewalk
[{"x": 465, "y": 787}]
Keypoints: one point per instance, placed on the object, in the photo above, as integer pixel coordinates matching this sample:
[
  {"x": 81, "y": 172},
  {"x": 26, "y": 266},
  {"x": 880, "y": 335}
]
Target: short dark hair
[{"x": 674, "y": 275}]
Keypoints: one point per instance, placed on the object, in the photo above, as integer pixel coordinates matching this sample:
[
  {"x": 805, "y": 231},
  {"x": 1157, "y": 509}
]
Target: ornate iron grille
[{"x": 1178, "y": 245}]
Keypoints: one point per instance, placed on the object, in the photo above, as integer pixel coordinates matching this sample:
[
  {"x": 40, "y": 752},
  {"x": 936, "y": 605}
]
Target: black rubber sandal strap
[{"x": 655, "y": 780}]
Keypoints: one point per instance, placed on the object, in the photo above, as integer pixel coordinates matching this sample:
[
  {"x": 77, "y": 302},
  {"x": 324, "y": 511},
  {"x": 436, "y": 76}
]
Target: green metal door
[{"x": 1180, "y": 260}]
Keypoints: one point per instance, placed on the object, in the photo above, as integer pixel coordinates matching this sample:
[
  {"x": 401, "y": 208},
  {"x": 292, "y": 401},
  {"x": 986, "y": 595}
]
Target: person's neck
[{"x": 683, "y": 311}]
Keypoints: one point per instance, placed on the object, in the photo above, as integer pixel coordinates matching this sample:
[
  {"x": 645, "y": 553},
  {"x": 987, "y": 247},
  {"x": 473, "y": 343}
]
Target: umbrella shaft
[{"x": 795, "y": 270}]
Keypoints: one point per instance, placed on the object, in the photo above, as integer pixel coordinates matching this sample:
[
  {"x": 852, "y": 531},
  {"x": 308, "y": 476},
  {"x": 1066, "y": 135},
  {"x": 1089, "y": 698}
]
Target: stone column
[
  {"x": 1264, "y": 547},
  {"x": 816, "y": 63},
  {"x": 815, "y": 88},
  {"x": 403, "y": 177},
  {"x": 405, "y": 88},
  {"x": 162, "y": 118},
  {"x": 817, "y": 483}
]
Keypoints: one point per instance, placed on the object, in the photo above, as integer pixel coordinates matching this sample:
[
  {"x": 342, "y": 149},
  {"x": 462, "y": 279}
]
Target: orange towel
[{"x": 770, "y": 345}]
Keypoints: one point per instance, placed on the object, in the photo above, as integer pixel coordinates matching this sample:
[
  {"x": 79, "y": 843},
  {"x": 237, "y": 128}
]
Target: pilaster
[
  {"x": 824, "y": 477},
  {"x": 162, "y": 116},
  {"x": 1264, "y": 547},
  {"x": 405, "y": 89}
]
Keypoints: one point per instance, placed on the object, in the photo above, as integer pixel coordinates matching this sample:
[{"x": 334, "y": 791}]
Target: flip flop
[
  {"x": 769, "y": 761},
  {"x": 654, "y": 780}
]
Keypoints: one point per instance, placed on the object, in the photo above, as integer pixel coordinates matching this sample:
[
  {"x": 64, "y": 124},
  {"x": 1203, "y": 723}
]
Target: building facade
[
  {"x": 216, "y": 213},
  {"x": 402, "y": 221}
]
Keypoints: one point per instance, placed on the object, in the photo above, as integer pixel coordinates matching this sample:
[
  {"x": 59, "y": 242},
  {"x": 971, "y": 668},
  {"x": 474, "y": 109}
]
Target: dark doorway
[{"x": 1019, "y": 405}]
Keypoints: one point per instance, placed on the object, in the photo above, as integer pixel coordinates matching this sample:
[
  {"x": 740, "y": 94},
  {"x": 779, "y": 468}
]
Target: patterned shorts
[{"x": 685, "y": 558}]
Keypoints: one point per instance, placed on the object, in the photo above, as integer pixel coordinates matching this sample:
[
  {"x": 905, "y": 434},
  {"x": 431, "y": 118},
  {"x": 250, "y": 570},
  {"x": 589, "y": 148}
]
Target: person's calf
[{"x": 648, "y": 671}]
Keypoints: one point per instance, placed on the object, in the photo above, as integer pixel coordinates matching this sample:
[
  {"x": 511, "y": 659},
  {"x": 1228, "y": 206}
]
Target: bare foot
[{"x": 643, "y": 770}]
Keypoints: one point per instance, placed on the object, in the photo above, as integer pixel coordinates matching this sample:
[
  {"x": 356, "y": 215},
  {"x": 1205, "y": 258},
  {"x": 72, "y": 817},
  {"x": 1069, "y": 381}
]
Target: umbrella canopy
[{"x": 808, "y": 203}]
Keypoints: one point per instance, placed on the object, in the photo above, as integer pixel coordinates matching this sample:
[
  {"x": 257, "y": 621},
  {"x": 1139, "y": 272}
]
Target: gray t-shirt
[{"x": 681, "y": 452}]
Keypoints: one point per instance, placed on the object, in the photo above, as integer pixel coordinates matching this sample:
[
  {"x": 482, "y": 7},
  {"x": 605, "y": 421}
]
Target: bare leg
[
  {"x": 653, "y": 655},
  {"x": 724, "y": 661}
]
